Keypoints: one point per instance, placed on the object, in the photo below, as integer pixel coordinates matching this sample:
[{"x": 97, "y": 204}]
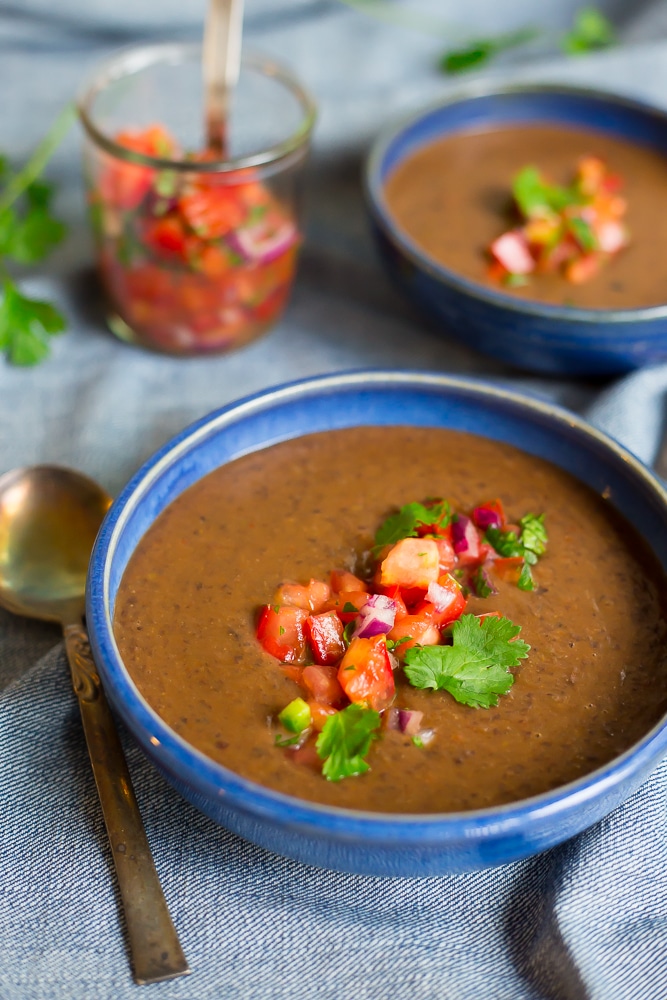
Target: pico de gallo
[
  {"x": 193, "y": 262},
  {"x": 571, "y": 230},
  {"x": 344, "y": 639}
]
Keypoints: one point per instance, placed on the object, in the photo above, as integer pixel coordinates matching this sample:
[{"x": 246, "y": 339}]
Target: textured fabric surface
[{"x": 585, "y": 921}]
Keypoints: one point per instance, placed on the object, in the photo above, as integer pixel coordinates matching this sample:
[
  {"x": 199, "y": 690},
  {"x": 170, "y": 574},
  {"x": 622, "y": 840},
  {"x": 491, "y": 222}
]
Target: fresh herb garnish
[
  {"x": 529, "y": 546},
  {"x": 475, "y": 668},
  {"x": 481, "y": 51},
  {"x": 349, "y": 608},
  {"x": 505, "y": 543},
  {"x": 405, "y": 523},
  {"x": 525, "y": 581},
  {"x": 590, "y": 30},
  {"x": 28, "y": 231},
  {"x": 395, "y": 643},
  {"x": 481, "y": 584},
  {"x": 534, "y": 534},
  {"x": 345, "y": 740},
  {"x": 583, "y": 234},
  {"x": 534, "y": 196}
]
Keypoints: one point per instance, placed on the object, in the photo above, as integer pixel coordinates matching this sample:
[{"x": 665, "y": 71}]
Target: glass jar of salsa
[{"x": 196, "y": 251}]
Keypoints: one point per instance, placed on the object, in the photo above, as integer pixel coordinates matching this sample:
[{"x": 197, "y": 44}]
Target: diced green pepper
[{"x": 295, "y": 717}]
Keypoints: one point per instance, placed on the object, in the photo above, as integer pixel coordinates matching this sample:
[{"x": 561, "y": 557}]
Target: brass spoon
[{"x": 49, "y": 517}]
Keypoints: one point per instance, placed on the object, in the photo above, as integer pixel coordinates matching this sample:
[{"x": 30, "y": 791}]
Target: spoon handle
[{"x": 155, "y": 950}]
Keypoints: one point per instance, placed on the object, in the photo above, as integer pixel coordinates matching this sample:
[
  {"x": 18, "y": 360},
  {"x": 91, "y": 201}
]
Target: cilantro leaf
[
  {"x": 475, "y": 668},
  {"x": 482, "y": 50},
  {"x": 525, "y": 581},
  {"x": 535, "y": 196},
  {"x": 404, "y": 524},
  {"x": 583, "y": 234},
  {"x": 505, "y": 543},
  {"x": 30, "y": 238},
  {"x": 590, "y": 30},
  {"x": 25, "y": 326},
  {"x": 533, "y": 533},
  {"x": 345, "y": 740}
]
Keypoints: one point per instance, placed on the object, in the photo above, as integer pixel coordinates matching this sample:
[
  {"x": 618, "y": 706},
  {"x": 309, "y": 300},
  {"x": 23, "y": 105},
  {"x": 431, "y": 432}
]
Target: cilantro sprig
[
  {"x": 345, "y": 740},
  {"x": 475, "y": 668},
  {"x": 530, "y": 545},
  {"x": 28, "y": 232},
  {"x": 409, "y": 518}
]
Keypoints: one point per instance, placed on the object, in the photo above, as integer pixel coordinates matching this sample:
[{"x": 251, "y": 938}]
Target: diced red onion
[
  {"x": 409, "y": 722},
  {"x": 256, "y": 243},
  {"x": 439, "y": 596},
  {"x": 612, "y": 236},
  {"x": 485, "y": 517},
  {"x": 425, "y": 736},
  {"x": 391, "y": 719},
  {"x": 376, "y": 617},
  {"x": 511, "y": 250}
]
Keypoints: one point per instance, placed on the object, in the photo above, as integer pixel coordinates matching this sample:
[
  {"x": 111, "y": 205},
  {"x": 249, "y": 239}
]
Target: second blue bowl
[{"x": 531, "y": 335}]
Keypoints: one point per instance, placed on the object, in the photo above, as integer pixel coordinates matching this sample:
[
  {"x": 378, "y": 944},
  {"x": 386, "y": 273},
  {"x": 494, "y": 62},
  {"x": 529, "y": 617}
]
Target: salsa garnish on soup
[
  {"x": 341, "y": 641},
  {"x": 569, "y": 229}
]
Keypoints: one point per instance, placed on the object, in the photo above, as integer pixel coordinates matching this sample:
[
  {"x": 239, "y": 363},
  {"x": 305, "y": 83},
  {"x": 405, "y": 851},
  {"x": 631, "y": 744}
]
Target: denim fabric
[{"x": 585, "y": 921}]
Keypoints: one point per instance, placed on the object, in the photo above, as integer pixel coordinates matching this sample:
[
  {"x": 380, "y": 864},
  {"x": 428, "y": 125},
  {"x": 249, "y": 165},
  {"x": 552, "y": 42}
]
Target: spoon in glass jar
[
  {"x": 49, "y": 518},
  {"x": 221, "y": 64}
]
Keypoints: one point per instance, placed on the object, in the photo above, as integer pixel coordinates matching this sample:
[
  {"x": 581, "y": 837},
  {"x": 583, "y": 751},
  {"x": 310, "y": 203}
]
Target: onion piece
[
  {"x": 376, "y": 617},
  {"x": 511, "y": 250},
  {"x": 261, "y": 244},
  {"x": 485, "y": 517},
  {"x": 440, "y": 597},
  {"x": 409, "y": 722}
]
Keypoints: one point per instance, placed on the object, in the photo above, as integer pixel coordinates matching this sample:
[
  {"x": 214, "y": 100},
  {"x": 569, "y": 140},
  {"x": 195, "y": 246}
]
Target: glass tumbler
[{"x": 197, "y": 253}]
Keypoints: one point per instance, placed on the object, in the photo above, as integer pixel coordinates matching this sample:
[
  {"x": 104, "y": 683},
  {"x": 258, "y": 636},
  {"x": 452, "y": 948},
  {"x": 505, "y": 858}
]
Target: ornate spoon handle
[{"x": 155, "y": 950}]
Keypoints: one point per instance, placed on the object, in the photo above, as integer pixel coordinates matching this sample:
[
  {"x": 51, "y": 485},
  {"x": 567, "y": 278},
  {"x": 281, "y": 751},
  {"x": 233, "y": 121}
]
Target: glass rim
[{"x": 137, "y": 58}]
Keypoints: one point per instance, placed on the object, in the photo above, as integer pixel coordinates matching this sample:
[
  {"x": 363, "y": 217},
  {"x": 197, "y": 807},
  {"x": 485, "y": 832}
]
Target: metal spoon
[
  {"x": 49, "y": 517},
  {"x": 221, "y": 64}
]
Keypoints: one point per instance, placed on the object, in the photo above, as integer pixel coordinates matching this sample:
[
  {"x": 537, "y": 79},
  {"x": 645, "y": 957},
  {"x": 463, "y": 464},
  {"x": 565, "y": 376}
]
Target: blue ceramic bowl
[
  {"x": 531, "y": 335},
  {"x": 369, "y": 843}
]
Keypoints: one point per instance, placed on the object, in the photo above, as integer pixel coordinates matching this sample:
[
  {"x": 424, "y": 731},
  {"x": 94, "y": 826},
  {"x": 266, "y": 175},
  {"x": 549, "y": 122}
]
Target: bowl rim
[
  {"x": 208, "y": 776},
  {"x": 133, "y": 59},
  {"x": 373, "y": 189}
]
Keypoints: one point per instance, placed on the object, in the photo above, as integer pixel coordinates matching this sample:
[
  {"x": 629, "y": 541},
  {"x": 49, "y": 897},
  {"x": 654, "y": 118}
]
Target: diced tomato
[
  {"x": 212, "y": 261},
  {"x": 508, "y": 568},
  {"x": 341, "y": 581},
  {"x": 293, "y": 671},
  {"x": 312, "y": 597},
  {"x": 353, "y": 600},
  {"x": 323, "y": 684},
  {"x": 590, "y": 174},
  {"x": 125, "y": 184},
  {"x": 444, "y": 603},
  {"x": 418, "y": 629},
  {"x": 365, "y": 673},
  {"x": 412, "y": 562},
  {"x": 397, "y": 596},
  {"x": 583, "y": 268},
  {"x": 446, "y": 554},
  {"x": 306, "y": 756},
  {"x": 325, "y": 633},
  {"x": 212, "y": 212},
  {"x": 412, "y": 596},
  {"x": 281, "y": 631},
  {"x": 319, "y": 713},
  {"x": 166, "y": 235}
]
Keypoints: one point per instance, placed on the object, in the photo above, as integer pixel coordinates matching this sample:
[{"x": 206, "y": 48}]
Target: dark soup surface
[
  {"x": 594, "y": 681},
  {"x": 453, "y": 198}
]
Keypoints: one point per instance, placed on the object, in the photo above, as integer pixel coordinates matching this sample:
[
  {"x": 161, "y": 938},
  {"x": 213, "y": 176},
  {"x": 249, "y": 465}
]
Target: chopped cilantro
[
  {"x": 533, "y": 533},
  {"x": 481, "y": 585},
  {"x": 515, "y": 280},
  {"x": 345, "y": 740},
  {"x": 583, "y": 234},
  {"x": 347, "y": 632},
  {"x": 395, "y": 643},
  {"x": 590, "y": 30},
  {"x": 505, "y": 543},
  {"x": 404, "y": 524},
  {"x": 475, "y": 668},
  {"x": 281, "y": 630},
  {"x": 349, "y": 608},
  {"x": 535, "y": 197},
  {"x": 478, "y": 52},
  {"x": 525, "y": 581},
  {"x": 418, "y": 741}
]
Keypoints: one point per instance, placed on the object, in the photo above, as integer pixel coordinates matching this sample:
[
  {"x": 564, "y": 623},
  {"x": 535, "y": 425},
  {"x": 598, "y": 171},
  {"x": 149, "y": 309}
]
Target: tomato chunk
[
  {"x": 319, "y": 713},
  {"x": 325, "y": 633},
  {"x": 352, "y": 600},
  {"x": 412, "y": 562},
  {"x": 444, "y": 602},
  {"x": 417, "y": 629},
  {"x": 508, "y": 568},
  {"x": 341, "y": 581},
  {"x": 365, "y": 673},
  {"x": 312, "y": 597},
  {"x": 281, "y": 631},
  {"x": 322, "y": 682}
]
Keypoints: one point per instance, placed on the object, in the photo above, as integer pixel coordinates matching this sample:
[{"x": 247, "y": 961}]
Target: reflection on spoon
[{"x": 49, "y": 518}]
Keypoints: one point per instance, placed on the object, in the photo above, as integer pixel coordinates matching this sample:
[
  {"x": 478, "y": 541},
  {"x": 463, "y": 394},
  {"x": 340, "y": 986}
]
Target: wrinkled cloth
[{"x": 584, "y": 921}]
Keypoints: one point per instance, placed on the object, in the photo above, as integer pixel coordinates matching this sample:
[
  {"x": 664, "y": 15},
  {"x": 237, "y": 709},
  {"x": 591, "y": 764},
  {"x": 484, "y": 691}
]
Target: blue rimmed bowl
[
  {"x": 370, "y": 843},
  {"x": 531, "y": 335}
]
